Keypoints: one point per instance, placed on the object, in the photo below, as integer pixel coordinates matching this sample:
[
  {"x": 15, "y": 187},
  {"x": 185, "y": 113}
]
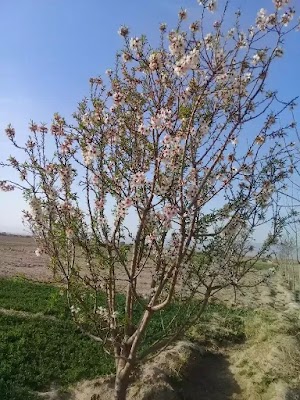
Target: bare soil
[{"x": 17, "y": 258}]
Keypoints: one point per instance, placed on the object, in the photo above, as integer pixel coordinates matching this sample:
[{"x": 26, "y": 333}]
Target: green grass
[
  {"x": 36, "y": 353},
  {"x": 23, "y": 295},
  {"x": 221, "y": 325},
  {"x": 261, "y": 265}
]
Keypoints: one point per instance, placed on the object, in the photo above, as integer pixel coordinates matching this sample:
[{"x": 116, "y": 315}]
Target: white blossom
[
  {"x": 135, "y": 44},
  {"x": 262, "y": 19},
  {"x": 138, "y": 179},
  {"x": 74, "y": 310},
  {"x": 38, "y": 252},
  {"x": 280, "y": 3},
  {"x": 155, "y": 61},
  {"x": 123, "y": 31},
  {"x": 177, "y": 44},
  {"x": 278, "y": 52}
]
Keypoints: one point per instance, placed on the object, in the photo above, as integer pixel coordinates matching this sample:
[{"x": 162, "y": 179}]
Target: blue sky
[{"x": 50, "y": 48}]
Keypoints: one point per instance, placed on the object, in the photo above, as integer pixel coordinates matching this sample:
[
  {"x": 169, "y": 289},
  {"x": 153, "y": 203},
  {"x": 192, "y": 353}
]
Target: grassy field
[
  {"x": 38, "y": 353},
  {"x": 263, "y": 265}
]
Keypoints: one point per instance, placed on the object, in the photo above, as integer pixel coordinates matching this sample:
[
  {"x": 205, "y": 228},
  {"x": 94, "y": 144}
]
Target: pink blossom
[
  {"x": 89, "y": 155},
  {"x": 57, "y": 130},
  {"x": 212, "y": 5},
  {"x": 126, "y": 56},
  {"x": 194, "y": 27},
  {"x": 182, "y": 14},
  {"x": 99, "y": 204},
  {"x": 167, "y": 215},
  {"x": 135, "y": 44},
  {"x": 150, "y": 238},
  {"x": 127, "y": 202},
  {"x": 66, "y": 146},
  {"x": 259, "y": 140},
  {"x": 138, "y": 179},
  {"x": 123, "y": 31},
  {"x": 177, "y": 44},
  {"x": 161, "y": 119},
  {"x": 287, "y": 17},
  {"x": 167, "y": 141},
  {"x": 43, "y": 129},
  {"x": 280, "y": 3},
  {"x": 172, "y": 147},
  {"x": 155, "y": 61},
  {"x": 10, "y": 132},
  {"x": 6, "y": 187},
  {"x": 123, "y": 207},
  {"x": 50, "y": 168},
  {"x": 187, "y": 62},
  {"x": 192, "y": 191},
  {"x": 33, "y": 127},
  {"x": 262, "y": 19},
  {"x": 118, "y": 98},
  {"x": 30, "y": 144},
  {"x": 144, "y": 130}
]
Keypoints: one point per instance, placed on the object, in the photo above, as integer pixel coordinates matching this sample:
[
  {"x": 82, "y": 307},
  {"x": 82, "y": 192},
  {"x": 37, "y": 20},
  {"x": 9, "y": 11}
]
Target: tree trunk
[{"x": 121, "y": 385}]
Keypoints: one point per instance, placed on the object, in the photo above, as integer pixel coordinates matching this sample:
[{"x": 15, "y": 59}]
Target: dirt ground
[{"x": 17, "y": 258}]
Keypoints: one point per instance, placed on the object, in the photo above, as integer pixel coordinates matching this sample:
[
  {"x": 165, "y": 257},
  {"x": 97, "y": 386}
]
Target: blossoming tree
[{"x": 163, "y": 155}]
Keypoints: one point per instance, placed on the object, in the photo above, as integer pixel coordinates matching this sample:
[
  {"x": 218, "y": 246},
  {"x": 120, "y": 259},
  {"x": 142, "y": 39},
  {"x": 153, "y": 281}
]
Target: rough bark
[{"x": 121, "y": 385}]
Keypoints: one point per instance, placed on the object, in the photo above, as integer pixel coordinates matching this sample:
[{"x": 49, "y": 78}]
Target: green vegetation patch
[
  {"x": 36, "y": 354},
  {"x": 262, "y": 265},
  {"x": 221, "y": 325},
  {"x": 23, "y": 295}
]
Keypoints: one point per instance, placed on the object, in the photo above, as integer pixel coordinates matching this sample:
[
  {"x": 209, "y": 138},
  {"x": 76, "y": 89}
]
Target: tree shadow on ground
[
  {"x": 293, "y": 394},
  {"x": 208, "y": 377}
]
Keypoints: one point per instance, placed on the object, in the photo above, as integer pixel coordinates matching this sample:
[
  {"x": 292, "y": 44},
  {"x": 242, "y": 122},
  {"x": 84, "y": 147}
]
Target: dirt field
[{"x": 17, "y": 258}]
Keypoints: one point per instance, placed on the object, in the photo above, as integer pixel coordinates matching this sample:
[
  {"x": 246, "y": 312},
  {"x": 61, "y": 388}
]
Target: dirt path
[
  {"x": 210, "y": 378},
  {"x": 25, "y": 314},
  {"x": 281, "y": 299},
  {"x": 245, "y": 371}
]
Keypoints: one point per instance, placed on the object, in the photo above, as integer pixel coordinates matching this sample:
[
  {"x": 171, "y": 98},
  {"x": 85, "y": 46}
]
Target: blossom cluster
[
  {"x": 187, "y": 62},
  {"x": 162, "y": 119},
  {"x": 138, "y": 179},
  {"x": 280, "y": 3},
  {"x": 167, "y": 215},
  {"x": 211, "y": 5},
  {"x": 123, "y": 207},
  {"x": 155, "y": 61},
  {"x": 177, "y": 44},
  {"x": 6, "y": 187},
  {"x": 171, "y": 147},
  {"x": 89, "y": 153}
]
